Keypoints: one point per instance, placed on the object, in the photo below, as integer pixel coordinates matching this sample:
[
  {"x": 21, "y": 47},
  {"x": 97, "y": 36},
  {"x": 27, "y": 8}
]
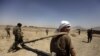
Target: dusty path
[
  {"x": 38, "y": 48},
  {"x": 87, "y": 49}
]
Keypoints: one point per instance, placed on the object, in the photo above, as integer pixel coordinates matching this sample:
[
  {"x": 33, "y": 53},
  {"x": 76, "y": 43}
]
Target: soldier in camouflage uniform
[
  {"x": 17, "y": 32},
  {"x": 89, "y": 34},
  {"x": 47, "y": 31},
  {"x": 8, "y": 30}
]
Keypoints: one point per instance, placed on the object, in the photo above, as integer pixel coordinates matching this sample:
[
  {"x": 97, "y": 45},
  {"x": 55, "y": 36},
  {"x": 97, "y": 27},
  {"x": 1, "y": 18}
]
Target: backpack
[{"x": 59, "y": 51}]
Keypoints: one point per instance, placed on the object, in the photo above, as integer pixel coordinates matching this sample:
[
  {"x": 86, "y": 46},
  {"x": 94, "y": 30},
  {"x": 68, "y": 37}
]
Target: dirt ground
[{"x": 42, "y": 47}]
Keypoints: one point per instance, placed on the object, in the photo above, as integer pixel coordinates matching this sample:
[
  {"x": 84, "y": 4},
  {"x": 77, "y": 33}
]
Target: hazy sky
[{"x": 85, "y": 13}]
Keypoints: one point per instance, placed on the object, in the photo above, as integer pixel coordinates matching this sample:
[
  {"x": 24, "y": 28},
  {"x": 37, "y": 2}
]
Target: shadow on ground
[
  {"x": 38, "y": 52},
  {"x": 84, "y": 41}
]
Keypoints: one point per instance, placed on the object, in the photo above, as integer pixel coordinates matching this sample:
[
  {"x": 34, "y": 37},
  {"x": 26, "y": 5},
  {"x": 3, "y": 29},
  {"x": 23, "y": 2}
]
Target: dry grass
[{"x": 82, "y": 48}]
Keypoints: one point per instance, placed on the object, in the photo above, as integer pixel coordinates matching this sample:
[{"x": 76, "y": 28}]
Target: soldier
[
  {"x": 79, "y": 31},
  {"x": 61, "y": 45},
  {"x": 47, "y": 31},
  {"x": 8, "y": 30},
  {"x": 89, "y": 34},
  {"x": 17, "y": 32}
]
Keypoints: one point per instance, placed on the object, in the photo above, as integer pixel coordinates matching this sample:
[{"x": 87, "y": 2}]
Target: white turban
[{"x": 64, "y": 24}]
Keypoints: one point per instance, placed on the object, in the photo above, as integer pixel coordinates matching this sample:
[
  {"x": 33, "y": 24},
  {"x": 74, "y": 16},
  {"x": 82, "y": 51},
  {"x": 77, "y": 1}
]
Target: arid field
[{"x": 41, "y": 47}]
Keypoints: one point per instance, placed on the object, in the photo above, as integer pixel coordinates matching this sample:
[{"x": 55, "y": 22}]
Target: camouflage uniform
[
  {"x": 18, "y": 33},
  {"x": 79, "y": 31},
  {"x": 89, "y": 34},
  {"x": 8, "y": 31},
  {"x": 47, "y": 31},
  {"x": 18, "y": 39}
]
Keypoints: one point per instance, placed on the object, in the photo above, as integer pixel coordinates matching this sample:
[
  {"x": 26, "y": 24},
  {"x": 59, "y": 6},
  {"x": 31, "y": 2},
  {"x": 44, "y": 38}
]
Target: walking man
[
  {"x": 8, "y": 31},
  {"x": 61, "y": 45},
  {"x": 89, "y": 34},
  {"x": 79, "y": 31},
  {"x": 17, "y": 32},
  {"x": 47, "y": 31}
]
